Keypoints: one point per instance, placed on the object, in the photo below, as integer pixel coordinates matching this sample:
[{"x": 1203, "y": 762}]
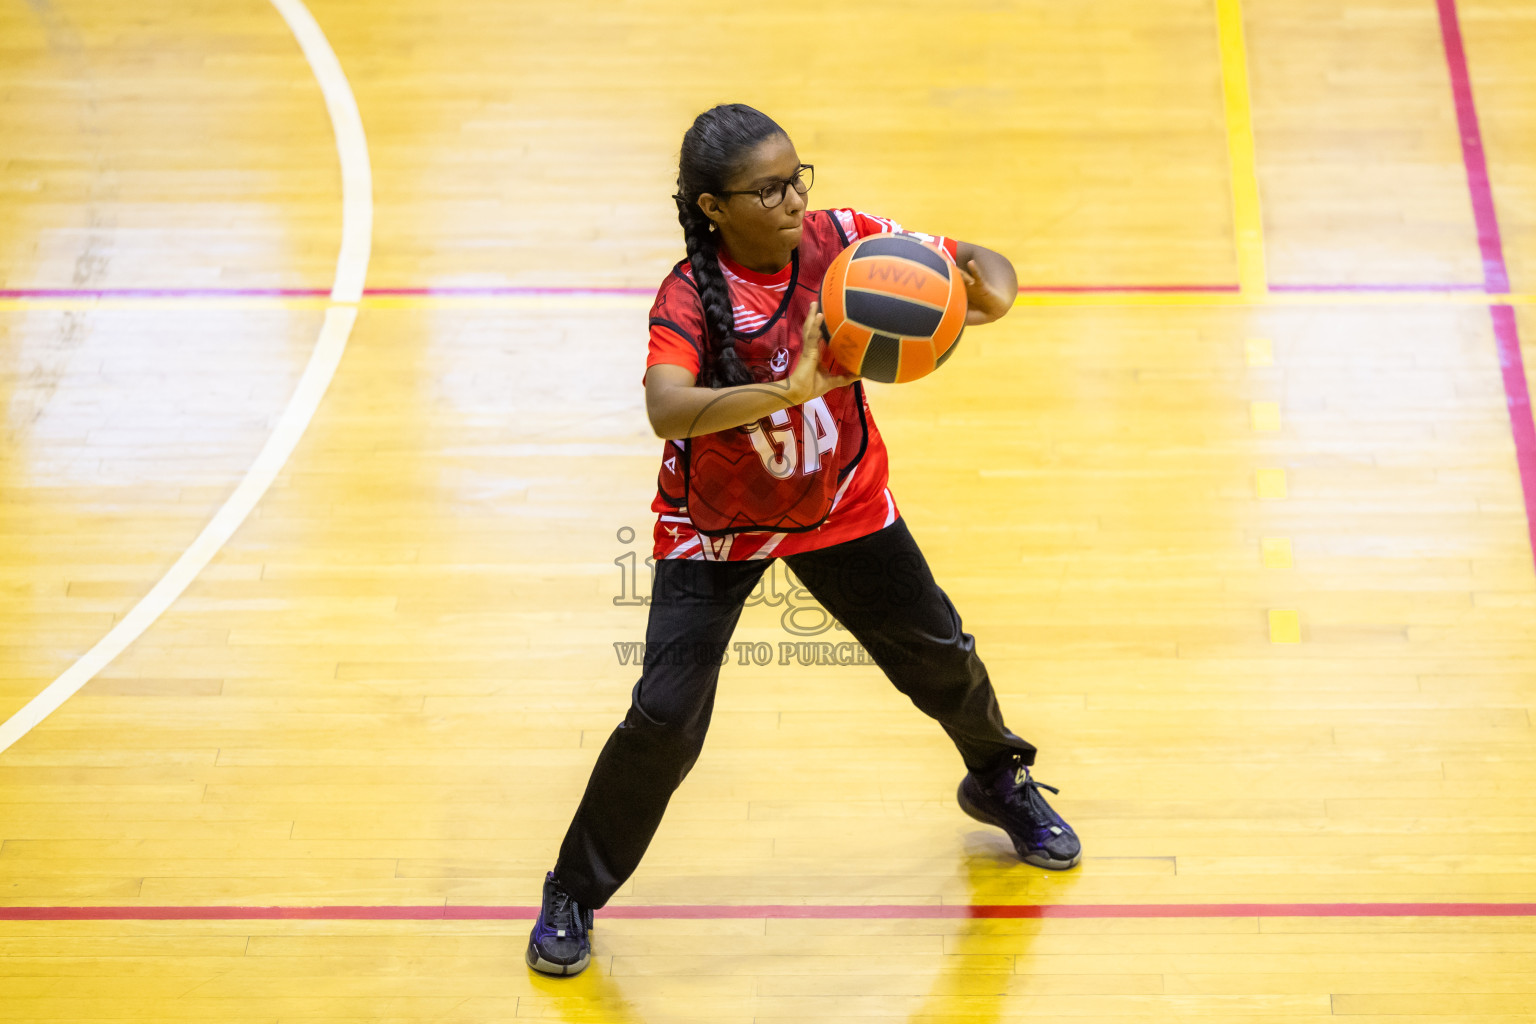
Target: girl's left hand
[{"x": 982, "y": 295}]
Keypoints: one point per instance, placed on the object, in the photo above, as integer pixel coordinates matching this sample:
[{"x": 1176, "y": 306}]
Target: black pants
[{"x": 877, "y": 586}]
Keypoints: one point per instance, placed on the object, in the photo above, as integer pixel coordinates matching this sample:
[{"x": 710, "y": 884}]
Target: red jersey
[{"x": 804, "y": 478}]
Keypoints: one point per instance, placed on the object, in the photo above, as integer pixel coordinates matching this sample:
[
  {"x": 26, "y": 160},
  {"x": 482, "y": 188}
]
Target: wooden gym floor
[{"x": 1237, "y": 504}]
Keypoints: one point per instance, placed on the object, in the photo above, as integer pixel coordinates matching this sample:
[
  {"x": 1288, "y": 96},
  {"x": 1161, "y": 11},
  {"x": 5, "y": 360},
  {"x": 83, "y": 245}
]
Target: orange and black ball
[{"x": 894, "y": 308}]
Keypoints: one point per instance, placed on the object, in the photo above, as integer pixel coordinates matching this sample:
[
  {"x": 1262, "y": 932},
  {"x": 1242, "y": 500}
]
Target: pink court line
[
  {"x": 1489, "y": 241},
  {"x": 1506, "y": 332},
  {"x": 781, "y": 911}
]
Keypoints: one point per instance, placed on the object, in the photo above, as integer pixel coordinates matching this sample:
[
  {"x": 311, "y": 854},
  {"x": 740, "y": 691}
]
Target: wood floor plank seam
[{"x": 340, "y": 316}]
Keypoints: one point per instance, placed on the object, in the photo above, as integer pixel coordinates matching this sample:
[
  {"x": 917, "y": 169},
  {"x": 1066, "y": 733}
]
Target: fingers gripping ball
[{"x": 894, "y": 308}]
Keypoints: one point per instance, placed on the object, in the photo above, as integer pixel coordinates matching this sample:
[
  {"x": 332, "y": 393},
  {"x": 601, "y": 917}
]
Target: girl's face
[{"x": 748, "y": 228}]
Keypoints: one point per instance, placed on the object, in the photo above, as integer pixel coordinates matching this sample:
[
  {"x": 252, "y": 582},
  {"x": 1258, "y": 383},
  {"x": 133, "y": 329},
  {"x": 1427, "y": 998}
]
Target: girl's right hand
[{"x": 809, "y": 379}]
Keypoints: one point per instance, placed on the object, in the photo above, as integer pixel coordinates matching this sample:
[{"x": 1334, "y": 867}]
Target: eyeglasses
[{"x": 773, "y": 193}]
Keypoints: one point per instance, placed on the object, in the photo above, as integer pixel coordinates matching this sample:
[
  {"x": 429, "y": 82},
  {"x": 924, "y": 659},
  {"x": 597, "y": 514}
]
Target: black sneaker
[
  {"x": 559, "y": 943},
  {"x": 1011, "y": 800}
]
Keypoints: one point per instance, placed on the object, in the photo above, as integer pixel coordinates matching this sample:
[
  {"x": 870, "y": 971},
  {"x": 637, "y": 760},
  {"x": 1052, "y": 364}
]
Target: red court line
[
  {"x": 1506, "y": 332},
  {"x": 882, "y": 911},
  {"x": 1137, "y": 289},
  {"x": 1380, "y": 287}
]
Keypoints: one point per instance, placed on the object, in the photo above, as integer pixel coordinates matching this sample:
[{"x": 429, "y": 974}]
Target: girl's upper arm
[{"x": 661, "y": 378}]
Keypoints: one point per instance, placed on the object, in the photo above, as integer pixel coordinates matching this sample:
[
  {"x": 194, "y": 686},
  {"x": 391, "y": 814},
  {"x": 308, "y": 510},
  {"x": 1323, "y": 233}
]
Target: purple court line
[
  {"x": 1506, "y": 332},
  {"x": 760, "y": 911},
  {"x": 162, "y": 293},
  {"x": 299, "y": 293},
  {"x": 492, "y": 291},
  {"x": 488, "y": 291}
]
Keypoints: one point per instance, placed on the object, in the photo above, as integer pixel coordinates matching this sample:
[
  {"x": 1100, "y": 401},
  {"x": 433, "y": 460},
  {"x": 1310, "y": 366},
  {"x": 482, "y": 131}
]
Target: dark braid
[{"x": 714, "y": 149}]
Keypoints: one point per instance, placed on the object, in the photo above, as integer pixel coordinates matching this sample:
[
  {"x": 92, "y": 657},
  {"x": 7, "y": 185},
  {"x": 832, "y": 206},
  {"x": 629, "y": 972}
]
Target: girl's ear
[{"x": 712, "y": 207}]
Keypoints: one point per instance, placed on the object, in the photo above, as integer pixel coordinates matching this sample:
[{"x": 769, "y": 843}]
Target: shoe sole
[
  {"x": 1039, "y": 860},
  {"x": 543, "y": 966}
]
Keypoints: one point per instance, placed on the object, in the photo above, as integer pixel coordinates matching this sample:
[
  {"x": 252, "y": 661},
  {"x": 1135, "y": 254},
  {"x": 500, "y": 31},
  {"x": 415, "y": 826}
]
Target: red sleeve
[
  {"x": 857, "y": 224},
  {"x": 677, "y": 326}
]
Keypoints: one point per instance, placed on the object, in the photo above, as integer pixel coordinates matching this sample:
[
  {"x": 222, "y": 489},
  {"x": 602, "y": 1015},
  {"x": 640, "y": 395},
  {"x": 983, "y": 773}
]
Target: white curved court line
[{"x": 351, "y": 268}]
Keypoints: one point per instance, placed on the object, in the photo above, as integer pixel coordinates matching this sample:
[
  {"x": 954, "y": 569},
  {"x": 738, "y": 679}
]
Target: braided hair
[{"x": 714, "y": 149}]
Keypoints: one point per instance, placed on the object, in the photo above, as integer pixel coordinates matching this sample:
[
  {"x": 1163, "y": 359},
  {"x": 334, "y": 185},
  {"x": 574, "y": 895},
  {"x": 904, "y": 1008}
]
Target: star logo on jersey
[
  {"x": 673, "y": 531},
  {"x": 780, "y": 361}
]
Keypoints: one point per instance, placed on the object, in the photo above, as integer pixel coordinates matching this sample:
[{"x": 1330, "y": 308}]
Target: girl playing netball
[{"x": 768, "y": 456}]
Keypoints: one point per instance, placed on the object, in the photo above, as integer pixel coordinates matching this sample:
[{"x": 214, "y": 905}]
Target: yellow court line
[
  {"x": 513, "y": 302},
  {"x": 1284, "y": 626},
  {"x": 1241, "y": 162},
  {"x": 1277, "y": 553}
]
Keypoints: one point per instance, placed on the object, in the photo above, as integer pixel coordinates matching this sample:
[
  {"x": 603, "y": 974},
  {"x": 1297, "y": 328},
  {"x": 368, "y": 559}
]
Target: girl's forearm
[{"x": 690, "y": 411}]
